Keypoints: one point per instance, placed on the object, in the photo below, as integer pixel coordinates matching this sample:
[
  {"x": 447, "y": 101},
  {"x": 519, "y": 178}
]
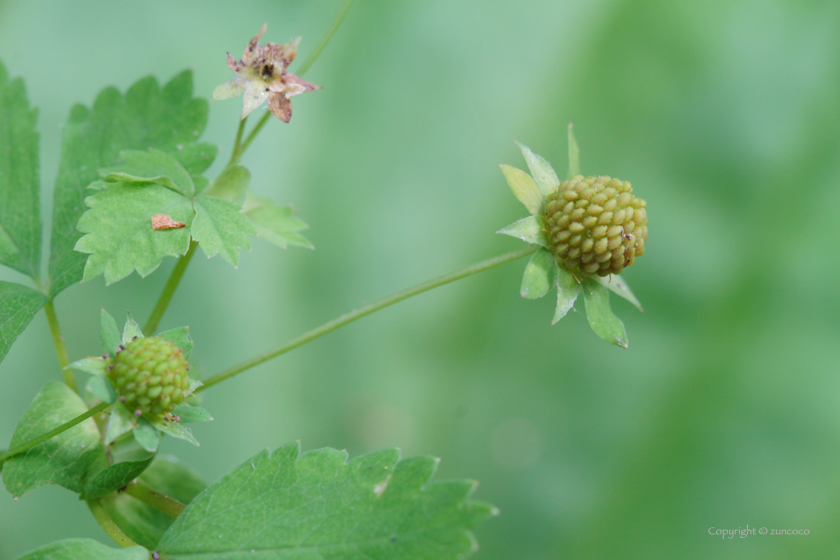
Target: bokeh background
[{"x": 725, "y": 115}]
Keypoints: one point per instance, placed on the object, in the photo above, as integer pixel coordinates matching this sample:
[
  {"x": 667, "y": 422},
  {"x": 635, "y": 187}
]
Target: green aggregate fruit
[
  {"x": 595, "y": 225},
  {"x": 150, "y": 376}
]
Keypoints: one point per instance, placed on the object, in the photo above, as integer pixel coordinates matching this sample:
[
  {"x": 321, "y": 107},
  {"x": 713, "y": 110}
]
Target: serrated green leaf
[
  {"x": 147, "y": 436},
  {"x": 524, "y": 188},
  {"x": 101, "y": 388},
  {"x": 64, "y": 459},
  {"x": 600, "y": 316},
  {"x": 20, "y": 183},
  {"x": 118, "y": 230},
  {"x": 618, "y": 286},
  {"x": 142, "y": 523},
  {"x": 180, "y": 337},
  {"x": 147, "y": 116},
  {"x": 541, "y": 171},
  {"x": 232, "y": 184},
  {"x": 18, "y": 305},
  {"x": 130, "y": 459},
  {"x": 317, "y": 505},
  {"x": 528, "y": 229},
  {"x": 131, "y": 330},
  {"x": 96, "y": 366},
  {"x": 109, "y": 335},
  {"x": 196, "y": 158},
  {"x": 85, "y": 549},
  {"x": 276, "y": 224},
  {"x": 540, "y": 275},
  {"x": 568, "y": 289},
  {"x": 220, "y": 228},
  {"x": 191, "y": 414},
  {"x": 152, "y": 166},
  {"x": 574, "y": 155},
  {"x": 121, "y": 421},
  {"x": 175, "y": 430}
]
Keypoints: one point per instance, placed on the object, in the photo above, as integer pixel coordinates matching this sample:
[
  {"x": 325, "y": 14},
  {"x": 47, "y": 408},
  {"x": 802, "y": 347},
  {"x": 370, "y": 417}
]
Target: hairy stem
[
  {"x": 169, "y": 290},
  {"x": 108, "y": 525},
  {"x": 52, "y": 433},
  {"x": 160, "y": 502},
  {"x": 367, "y": 310},
  {"x": 60, "y": 348}
]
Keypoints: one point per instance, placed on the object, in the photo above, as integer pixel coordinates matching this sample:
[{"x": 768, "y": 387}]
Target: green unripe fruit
[
  {"x": 595, "y": 225},
  {"x": 151, "y": 376}
]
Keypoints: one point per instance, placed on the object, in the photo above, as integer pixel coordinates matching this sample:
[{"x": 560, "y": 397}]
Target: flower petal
[
  {"x": 280, "y": 106},
  {"x": 255, "y": 96},
  {"x": 524, "y": 188},
  {"x": 230, "y": 88}
]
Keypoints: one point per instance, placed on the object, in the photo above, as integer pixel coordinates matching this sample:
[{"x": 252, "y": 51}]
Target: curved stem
[
  {"x": 169, "y": 291},
  {"x": 313, "y": 56},
  {"x": 60, "y": 348},
  {"x": 54, "y": 432},
  {"x": 108, "y": 525},
  {"x": 367, "y": 310},
  {"x": 160, "y": 502},
  {"x": 237, "y": 151}
]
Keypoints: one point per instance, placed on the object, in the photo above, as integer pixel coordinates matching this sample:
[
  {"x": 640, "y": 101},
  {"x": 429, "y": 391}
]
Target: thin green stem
[
  {"x": 108, "y": 525},
  {"x": 160, "y": 502},
  {"x": 237, "y": 148},
  {"x": 52, "y": 433},
  {"x": 169, "y": 291},
  {"x": 253, "y": 134},
  {"x": 367, "y": 310},
  {"x": 313, "y": 56},
  {"x": 60, "y": 348}
]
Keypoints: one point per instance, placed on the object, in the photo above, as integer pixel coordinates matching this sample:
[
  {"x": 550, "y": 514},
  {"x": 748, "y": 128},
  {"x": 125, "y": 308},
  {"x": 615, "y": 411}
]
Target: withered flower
[{"x": 261, "y": 74}]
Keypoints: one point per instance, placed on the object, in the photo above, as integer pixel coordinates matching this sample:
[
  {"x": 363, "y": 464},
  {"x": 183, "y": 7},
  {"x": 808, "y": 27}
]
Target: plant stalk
[
  {"x": 169, "y": 290},
  {"x": 108, "y": 525},
  {"x": 52, "y": 433},
  {"x": 367, "y": 310},
  {"x": 60, "y": 348},
  {"x": 160, "y": 502}
]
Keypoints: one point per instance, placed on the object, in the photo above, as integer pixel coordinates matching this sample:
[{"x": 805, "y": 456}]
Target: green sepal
[
  {"x": 574, "y": 155},
  {"x": 524, "y": 188},
  {"x": 568, "y": 289},
  {"x": 231, "y": 184},
  {"x": 96, "y": 366},
  {"x": 121, "y": 422},
  {"x": 600, "y": 316},
  {"x": 618, "y": 286},
  {"x": 191, "y": 414},
  {"x": 130, "y": 459},
  {"x": 101, "y": 388},
  {"x": 147, "y": 436},
  {"x": 541, "y": 171},
  {"x": 131, "y": 330},
  {"x": 540, "y": 275},
  {"x": 152, "y": 166},
  {"x": 109, "y": 334},
  {"x": 175, "y": 430},
  {"x": 180, "y": 337},
  {"x": 194, "y": 384},
  {"x": 528, "y": 229}
]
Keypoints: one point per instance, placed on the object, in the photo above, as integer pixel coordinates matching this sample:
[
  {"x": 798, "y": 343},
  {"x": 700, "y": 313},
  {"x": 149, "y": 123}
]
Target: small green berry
[
  {"x": 595, "y": 225},
  {"x": 150, "y": 375}
]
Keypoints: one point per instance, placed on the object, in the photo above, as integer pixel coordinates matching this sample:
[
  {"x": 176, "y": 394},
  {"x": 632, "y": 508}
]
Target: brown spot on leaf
[{"x": 162, "y": 221}]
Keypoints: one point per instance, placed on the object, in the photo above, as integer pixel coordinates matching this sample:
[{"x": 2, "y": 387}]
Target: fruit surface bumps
[
  {"x": 150, "y": 376},
  {"x": 595, "y": 225}
]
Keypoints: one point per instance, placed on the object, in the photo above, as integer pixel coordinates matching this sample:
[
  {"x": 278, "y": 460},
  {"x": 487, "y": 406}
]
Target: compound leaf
[
  {"x": 318, "y": 505},
  {"x": 276, "y": 224},
  {"x": 220, "y": 228},
  {"x": 196, "y": 158},
  {"x": 152, "y": 166},
  {"x": 18, "y": 305},
  {"x": 20, "y": 214},
  {"x": 600, "y": 316},
  {"x": 232, "y": 184},
  {"x": 85, "y": 549},
  {"x": 64, "y": 459},
  {"x": 147, "y": 116},
  {"x": 118, "y": 230}
]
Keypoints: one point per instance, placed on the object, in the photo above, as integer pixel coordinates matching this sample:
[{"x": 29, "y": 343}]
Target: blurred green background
[{"x": 725, "y": 115}]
